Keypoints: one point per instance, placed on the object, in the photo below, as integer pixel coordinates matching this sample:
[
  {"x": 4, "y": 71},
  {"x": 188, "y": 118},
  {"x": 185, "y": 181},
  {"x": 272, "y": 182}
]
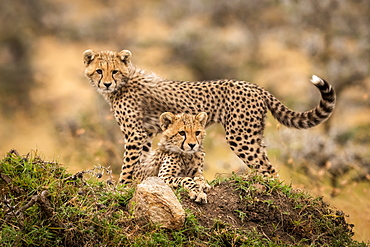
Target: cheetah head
[
  {"x": 183, "y": 132},
  {"x": 107, "y": 70}
]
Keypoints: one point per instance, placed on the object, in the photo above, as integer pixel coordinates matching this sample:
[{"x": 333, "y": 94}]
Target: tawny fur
[
  {"x": 179, "y": 158},
  {"x": 137, "y": 98}
]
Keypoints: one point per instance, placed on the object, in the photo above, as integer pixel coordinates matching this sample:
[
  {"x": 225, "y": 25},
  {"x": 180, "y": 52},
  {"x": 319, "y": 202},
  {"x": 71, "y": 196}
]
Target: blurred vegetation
[{"x": 45, "y": 102}]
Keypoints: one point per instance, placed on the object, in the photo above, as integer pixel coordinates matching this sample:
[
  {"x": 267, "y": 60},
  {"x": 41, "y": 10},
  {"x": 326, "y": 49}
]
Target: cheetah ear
[
  {"x": 125, "y": 56},
  {"x": 202, "y": 118},
  {"x": 166, "y": 119},
  {"x": 88, "y": 57}
]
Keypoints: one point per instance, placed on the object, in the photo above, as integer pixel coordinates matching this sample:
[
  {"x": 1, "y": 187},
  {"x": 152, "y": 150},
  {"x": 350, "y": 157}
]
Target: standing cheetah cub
[
  {"x": 179, "y": 158},
  {"x": 138, "y": 97}
]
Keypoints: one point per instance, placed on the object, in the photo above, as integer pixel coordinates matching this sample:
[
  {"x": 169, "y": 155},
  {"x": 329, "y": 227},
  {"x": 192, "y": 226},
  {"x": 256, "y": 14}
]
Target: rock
[{"x": 155, "y": 200}]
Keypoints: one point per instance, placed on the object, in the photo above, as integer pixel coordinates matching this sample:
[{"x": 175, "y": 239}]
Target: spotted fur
[
  {"x": 179, "y": 158},
  {"x": 138, "y": 97}
]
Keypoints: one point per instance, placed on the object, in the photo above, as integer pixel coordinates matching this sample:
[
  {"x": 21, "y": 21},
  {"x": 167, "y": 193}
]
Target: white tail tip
[{"x": 317, "y": 80}]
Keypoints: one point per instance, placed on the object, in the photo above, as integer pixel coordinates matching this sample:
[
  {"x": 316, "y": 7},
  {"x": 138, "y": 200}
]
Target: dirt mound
[
  {"x": 43, "y": 205},
  {"x": 274, "y": 210}
]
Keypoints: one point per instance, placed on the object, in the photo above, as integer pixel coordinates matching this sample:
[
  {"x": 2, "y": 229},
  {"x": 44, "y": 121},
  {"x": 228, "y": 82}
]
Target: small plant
[
  {"x": 269, "y": 202},
  {"x": 242, "y": 215}
]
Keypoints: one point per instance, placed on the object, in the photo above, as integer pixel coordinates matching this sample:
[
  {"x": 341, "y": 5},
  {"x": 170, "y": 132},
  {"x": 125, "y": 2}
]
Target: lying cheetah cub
[{"x": 179, "y": 157}]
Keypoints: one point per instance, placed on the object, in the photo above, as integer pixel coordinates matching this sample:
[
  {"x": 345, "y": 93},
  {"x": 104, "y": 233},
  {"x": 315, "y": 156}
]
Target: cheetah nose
[
  {"x": 107, "y": 84},
  {"x": 191, "y": 145}
]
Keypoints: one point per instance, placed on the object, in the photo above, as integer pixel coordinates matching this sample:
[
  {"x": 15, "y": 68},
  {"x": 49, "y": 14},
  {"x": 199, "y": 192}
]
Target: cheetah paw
[
  {"x": 206, "y": 187},
  {"x": 199, "y": 197},
  {"x": 202, "y": 184}
]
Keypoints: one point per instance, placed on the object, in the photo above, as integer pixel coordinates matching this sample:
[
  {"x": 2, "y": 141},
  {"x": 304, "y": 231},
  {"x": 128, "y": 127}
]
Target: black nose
[
  {"x": 107, "y": 84},
  {"x": 191, "y": 145}
]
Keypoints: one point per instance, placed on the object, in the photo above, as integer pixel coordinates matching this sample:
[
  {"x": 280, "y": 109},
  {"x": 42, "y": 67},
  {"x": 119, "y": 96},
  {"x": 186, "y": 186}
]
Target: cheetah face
[
  {"x": 106, "y": 70},
  {"x": 183, "y": 132}
]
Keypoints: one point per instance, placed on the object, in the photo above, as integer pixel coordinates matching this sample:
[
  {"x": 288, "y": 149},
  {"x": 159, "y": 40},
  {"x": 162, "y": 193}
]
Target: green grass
[
  {"x": 79, "y": 207},
  {"x": 43, "y": 205}
]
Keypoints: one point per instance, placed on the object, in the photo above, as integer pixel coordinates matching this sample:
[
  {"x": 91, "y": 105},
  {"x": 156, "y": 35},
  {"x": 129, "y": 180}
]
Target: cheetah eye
[
  {"x": 99, "y": 71},
  {"x": 182, "y": 133},
  {"x": 114, "y": 72},
  {"x": 197, "y": 133}
]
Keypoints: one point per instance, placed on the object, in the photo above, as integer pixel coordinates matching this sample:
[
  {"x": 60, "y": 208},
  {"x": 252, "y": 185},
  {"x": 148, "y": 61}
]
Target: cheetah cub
[{"x": 179, "y": 158}]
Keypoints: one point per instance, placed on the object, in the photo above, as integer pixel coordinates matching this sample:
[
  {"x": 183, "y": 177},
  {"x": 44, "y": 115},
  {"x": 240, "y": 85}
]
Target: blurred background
[{"x": 48, "y": 107}]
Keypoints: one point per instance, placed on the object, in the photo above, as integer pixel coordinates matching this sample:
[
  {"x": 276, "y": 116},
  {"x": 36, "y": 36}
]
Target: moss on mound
[{"x": 43, "y": 205}]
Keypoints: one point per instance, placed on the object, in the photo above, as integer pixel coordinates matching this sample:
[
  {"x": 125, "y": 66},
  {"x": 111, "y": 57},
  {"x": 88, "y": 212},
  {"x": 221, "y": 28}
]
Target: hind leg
[{"x": 246, "y": 140}]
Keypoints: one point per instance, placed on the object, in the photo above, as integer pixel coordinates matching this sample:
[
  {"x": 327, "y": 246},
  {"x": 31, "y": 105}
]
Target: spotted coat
[
  {"x": 179, "y": 158},
  {"x": 137, "y": 98}
]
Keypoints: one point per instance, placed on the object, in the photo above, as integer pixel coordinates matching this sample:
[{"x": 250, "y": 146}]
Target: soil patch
[{"x": 293, "y": 218}]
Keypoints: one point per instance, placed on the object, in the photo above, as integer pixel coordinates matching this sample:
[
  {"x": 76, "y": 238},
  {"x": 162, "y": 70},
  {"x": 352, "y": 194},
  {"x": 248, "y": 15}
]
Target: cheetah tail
[{"x": 308, "y": 119}]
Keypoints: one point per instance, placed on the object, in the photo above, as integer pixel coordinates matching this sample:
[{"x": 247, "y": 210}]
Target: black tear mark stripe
[{"x": 182, "y": 144}]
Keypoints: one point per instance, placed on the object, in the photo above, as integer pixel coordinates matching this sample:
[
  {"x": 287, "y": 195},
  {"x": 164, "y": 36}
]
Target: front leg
[
  {"x": 133, "y": 149},
  {"x": 169, "y": 172},
  {"x": 196, "y": 172}
]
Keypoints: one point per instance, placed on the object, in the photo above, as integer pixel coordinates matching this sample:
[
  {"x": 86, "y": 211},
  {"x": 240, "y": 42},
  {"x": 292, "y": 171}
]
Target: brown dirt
[{"x": 274, "y": 215}]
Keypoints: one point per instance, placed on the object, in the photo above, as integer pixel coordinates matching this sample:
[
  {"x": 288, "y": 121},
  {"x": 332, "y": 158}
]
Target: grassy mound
[{"x": 42, "y": 205}]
